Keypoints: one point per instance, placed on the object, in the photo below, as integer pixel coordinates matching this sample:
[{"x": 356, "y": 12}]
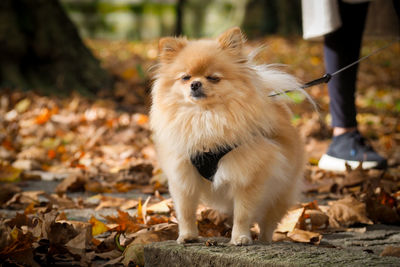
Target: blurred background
[{"x": 41, "y": 42}]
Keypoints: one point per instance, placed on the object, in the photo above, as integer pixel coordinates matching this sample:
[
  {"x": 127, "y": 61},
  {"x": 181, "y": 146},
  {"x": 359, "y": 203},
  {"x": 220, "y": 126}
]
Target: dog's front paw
[
  {"x": 187, "y": 238},
  {"x": 241, "y": 240}
]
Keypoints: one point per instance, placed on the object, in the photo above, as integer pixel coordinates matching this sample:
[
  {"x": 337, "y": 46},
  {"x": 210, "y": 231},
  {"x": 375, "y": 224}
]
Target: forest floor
[{"x": 80, "y": 183}]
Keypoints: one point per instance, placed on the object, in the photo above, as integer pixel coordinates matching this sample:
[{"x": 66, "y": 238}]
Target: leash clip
[{"x": 324, "y": 79}]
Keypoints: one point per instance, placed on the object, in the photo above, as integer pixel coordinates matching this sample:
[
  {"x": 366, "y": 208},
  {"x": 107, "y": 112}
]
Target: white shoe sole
[{"x": 335, "y": 164}]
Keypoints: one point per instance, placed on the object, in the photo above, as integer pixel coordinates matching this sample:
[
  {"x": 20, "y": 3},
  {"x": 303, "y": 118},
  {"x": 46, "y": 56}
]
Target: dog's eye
[
  {"x": 186, "y": 78},
  {"x": 213, "y": 79}
]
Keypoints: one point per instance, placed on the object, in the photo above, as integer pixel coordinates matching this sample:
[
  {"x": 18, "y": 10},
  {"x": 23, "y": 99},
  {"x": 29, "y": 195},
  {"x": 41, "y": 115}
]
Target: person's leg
[{"x": 342, "y": 48}]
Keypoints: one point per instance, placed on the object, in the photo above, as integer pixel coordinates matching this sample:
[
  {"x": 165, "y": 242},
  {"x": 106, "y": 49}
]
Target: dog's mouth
[{"x": 196, "y": 95}]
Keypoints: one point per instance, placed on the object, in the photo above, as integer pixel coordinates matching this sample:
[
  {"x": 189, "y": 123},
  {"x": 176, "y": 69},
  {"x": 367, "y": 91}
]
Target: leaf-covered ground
[{"x": 98, "y": 152}]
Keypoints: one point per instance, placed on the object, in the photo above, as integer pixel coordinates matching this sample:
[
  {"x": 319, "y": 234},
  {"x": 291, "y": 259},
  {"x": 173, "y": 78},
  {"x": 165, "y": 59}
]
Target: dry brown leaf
[
  {"x": 7, "y": 192},
  {"x": 157, "y": 233},
  {"x": 19, "y": 252},
  {"x": 133, "y": 253},
  {"x": 346, "y": 212},
  {"x": 214, "y": 216},
  {"x": 289, "y": 221},
  {"x": 61, "y": 202},
  {"x": 138, "y": 174},
  {"x": 382, "y": 208},
  {"x": 23, "y": 199},
  {"x": 279, "y": 236},
  {"x": 354, "y": 177},
  {"x": 302, "y": 236},
  {"x": 391, "y": 251},
  {"x": 72, "y": 183},
  {"x": 116, "y": 202},
  {"x": 212, "y": 223},
  {"x": 309, "y": 217},
  {"x": 83, "y": 239},
  {"x": 161, "y": 207},
  {"x": 314, "y": 220},
  {"x": 9, "y": 173}
]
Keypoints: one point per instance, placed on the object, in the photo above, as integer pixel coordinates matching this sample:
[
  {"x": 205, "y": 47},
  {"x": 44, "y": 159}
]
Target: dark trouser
[{"x": 341, "y": 48}]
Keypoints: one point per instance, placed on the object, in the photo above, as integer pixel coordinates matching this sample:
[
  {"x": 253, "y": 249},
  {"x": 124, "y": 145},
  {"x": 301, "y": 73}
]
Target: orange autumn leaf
[
  {"x": 96, "y": 242},
  {"x": 98, "y": 227},
  {"x": 61, "y": 149},
  {"x": 141, "y": 119},
  {"x": 7, "y": 144},
  {"x": 111, "y": 122},
  {"x": 157, "y": 219},
  {"x": 387, "y": 200},
  {"x": 43, "y": 117},
  {"x": 30, "y": 209},
  {"x": 123, "y": 187},
  {"x": 126, "y": 223},
  {"x": 51, "y": 154},
  {"x": 20, "y": 243}
]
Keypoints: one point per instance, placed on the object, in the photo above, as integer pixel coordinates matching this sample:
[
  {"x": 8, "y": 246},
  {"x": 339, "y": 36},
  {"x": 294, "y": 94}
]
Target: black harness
[{"x": 206, "y": 163}]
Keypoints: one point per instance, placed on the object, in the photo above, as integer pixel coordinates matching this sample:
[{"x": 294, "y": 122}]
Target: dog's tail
[{"x": 281, "y": 83}]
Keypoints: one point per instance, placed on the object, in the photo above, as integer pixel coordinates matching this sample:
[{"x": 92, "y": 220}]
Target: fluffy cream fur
[{"x": 259, "y": 179}]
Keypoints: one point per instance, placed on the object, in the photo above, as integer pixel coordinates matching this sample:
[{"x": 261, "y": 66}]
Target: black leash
[{"x": 327, "y": 76}]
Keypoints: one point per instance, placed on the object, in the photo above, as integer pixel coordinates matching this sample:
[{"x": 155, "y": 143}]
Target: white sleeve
[{"x": 320, "y": 17}]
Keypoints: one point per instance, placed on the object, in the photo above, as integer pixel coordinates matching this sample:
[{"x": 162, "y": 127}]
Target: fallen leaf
[
  {"x": 212, "y": 223},
  {"x": 382, "y": 208},
  {"x": 314, "y": 220},
  {"x": 22, "y": 105},
  {"x": 9, "y": 173},
  {"x": 161, "y": 207},
  {"x": 126, "y": 223},
  {"x": 61, "y": 201},
  {"x": 302, "y": 236},
  {"x": 391, "y": 251},
  {"x": 134, "y": 253},
  {"x": 290, "y": 220},
  {"x": 157, "y": 233},
  {"x": 23, "y": 199},
  {"x": 83, "y": 240},
  {"x": 116, "y": 202},
  {"x": 72, "y": 183},
  {"x": 214, "y": 216},
  {"x": 7, "y": 192},
  {"x": 98, "y": 227},
  {"x": 26, "y": 164},
  {"x": 346, "y": 212},
  {"x": 141, "y": 119}
]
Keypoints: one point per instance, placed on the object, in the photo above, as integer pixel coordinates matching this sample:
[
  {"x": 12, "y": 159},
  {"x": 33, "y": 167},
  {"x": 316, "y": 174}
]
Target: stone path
[{"x": 338, "y": 249}]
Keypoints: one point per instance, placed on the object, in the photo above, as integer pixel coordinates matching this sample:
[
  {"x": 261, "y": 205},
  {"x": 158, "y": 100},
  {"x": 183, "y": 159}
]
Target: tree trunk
[
  {"x": 179, "y": 17},
  {"x": 41, "y": 49}
]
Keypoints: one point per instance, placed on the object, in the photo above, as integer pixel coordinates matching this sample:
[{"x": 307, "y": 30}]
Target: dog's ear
[
  {"x": 169, "y": 47},
  {"x": 232, "y": 39}
]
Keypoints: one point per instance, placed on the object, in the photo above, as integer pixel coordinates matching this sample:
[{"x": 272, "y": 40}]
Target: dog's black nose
[{"x": 196, "y": 85}]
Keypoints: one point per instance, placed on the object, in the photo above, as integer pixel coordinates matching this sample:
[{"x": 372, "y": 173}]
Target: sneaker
[{"x": 350, "y": 148}]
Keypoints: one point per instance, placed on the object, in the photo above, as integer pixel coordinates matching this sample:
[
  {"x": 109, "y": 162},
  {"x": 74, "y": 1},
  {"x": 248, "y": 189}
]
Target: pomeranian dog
[{"x": 220, "y": 138}]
